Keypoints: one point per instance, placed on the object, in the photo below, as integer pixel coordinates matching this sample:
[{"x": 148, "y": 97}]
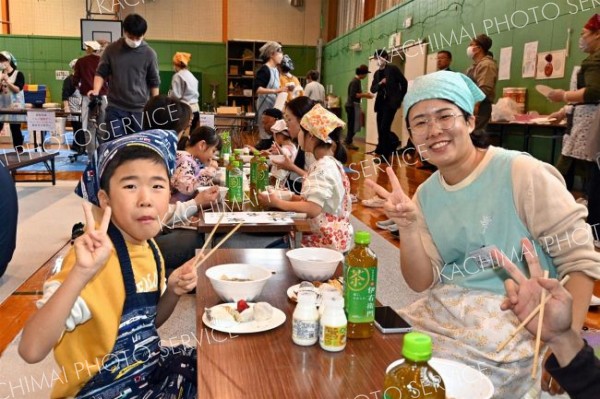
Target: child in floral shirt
[{"x": 194, "y": 164}]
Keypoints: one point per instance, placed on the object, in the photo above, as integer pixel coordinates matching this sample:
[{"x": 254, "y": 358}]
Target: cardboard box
[
  {"x": 229, "y": 110},
  {"x": 234, "y": 70}
]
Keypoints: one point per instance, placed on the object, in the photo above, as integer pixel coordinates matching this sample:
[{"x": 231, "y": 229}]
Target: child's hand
[
  {"x": 214, "y": 164},
  {"x": 184, "y": 278},
  {"x": 286, "y": 164},
  {"x": 399, "y": 207},
  {"x": 267, "y": 199},
  {"x": 93, "y": 248},
  {"x": 207, "y": 196}
]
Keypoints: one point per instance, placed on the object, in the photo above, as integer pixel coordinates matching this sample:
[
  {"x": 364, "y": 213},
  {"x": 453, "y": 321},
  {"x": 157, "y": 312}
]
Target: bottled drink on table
[
  {"x": 360, "y": 285},
  {"x": 262, "y": 175},
  {"x": 235, "y": 194},
  {"x": 226, "y": 143},
  {"x": 238, "y": 155},
  {"x": 415, "y": 378},
  {"x": 253, "y": 166},
  {"x": 333, "y": 325},
  {"x": 305, "y": 320}
]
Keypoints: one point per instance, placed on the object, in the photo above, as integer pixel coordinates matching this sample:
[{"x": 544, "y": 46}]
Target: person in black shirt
[
  {"x": 12, "y": 82},
  {"x": 390, "y": 85},
  {"x": 353, "y": 105},
  {"x": 9, "y": 211},
  {"x": 444, "y": 59}
]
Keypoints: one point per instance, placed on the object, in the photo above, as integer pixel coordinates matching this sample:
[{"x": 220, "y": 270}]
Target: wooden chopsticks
[
  {"x": 538, "y": 336},
  {"x": 528, "y": 318},
  {"x": 201, "y": 261}
]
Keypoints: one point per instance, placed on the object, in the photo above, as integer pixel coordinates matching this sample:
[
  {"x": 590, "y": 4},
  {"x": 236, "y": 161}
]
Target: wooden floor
[{"x": 18, "y": 307}]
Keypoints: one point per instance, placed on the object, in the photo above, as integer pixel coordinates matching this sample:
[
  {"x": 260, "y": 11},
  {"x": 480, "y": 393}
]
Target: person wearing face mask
[
  {"x": 390, "y": 86},
  {"x": 581, "y": 145},
  {"x": 289, "y": 81},
  {"x": 131, "y": 66},
  {"x": 12, "y": 82},
  {"x": 484, "y": 72}
]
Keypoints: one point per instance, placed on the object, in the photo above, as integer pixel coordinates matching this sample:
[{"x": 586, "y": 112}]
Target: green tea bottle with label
[
  {"x": 414, "y": 378},
  {"x": 253, "y": 166},
  {"x": 236, "y": 184},
  {"x": 226, "y": 143},
  {"x": 360, "y": 286}
]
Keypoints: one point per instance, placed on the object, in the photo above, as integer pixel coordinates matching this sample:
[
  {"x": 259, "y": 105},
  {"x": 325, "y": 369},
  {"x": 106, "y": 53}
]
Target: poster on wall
[
  {"x": 529, "y": 59},
  {"x": 551, "y": 64},
  {"x": 505, "y": 62}
]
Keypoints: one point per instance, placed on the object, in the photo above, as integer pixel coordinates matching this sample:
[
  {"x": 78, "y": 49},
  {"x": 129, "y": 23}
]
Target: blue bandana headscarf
[
  {"x": 164, "y": 142},
  {"x": 444, "y": 85}
]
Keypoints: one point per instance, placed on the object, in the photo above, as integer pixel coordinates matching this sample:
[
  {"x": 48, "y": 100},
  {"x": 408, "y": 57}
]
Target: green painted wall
[
  {"x": 508, "y": 23},
  {"x": 40, "y": 56}
]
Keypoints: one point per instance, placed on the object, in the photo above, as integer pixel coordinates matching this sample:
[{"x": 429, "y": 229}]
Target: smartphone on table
[{"x": 388, "y": 321}]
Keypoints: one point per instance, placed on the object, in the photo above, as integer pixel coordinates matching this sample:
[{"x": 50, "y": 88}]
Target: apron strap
[{"x": 125, "y": 261}]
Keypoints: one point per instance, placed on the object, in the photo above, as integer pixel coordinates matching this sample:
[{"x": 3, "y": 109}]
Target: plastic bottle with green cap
[
  {"x": 235, "y": 182},
  {"x": 360, "y": 287},
  {"x": 414, "y": 378}
]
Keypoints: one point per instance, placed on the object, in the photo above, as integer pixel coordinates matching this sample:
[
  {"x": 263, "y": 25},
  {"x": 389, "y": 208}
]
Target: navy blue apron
[{"x": 138, "y": 367}]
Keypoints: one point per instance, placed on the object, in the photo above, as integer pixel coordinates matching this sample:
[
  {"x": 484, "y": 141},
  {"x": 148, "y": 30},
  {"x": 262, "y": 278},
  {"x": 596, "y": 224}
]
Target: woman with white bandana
[
  {"x": 480, "y": 201},
  {"x": 11, "y": 95}
]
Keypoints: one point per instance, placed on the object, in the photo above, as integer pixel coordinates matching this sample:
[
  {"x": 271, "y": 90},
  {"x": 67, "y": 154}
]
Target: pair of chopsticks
[
  {"x": 540, "y": 308},
  {"x": 197, "y": 261}
]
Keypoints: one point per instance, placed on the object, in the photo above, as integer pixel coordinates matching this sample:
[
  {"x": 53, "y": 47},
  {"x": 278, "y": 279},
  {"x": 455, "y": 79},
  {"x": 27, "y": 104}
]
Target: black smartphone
[{"x": 388, "y": 321}]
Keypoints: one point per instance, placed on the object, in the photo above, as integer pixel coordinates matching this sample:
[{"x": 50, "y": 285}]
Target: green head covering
[{"x": 444, "y": 85}]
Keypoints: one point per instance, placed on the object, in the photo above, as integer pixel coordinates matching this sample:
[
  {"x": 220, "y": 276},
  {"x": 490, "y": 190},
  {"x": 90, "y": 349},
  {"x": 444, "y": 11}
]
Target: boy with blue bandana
[{"x": 101, "y": 311}]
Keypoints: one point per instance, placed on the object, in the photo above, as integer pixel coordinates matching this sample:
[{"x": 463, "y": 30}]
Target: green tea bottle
[
  {"x": 414, "y": 378},
  {"x": 360, "y": 286}
]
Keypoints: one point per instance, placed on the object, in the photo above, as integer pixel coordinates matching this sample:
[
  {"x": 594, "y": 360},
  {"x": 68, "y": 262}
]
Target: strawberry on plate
[{"x": 242, "y": 305}]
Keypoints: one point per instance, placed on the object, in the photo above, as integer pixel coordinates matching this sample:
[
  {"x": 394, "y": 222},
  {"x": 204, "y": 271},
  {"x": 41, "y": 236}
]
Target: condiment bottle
[
  {"x": 305, "y": 320},
  {"x": 360, "y": 285},
  {"x": 333, "y": 325},
  {"x": 414, "y": 378}
]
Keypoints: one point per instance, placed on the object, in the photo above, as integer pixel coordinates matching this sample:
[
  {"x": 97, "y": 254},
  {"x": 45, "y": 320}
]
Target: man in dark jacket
[{"x": 390, "y": 85}]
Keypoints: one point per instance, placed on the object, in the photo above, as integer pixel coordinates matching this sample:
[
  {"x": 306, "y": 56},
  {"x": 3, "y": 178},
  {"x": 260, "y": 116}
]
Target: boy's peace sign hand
[
  {"x": 398, "y": 207},
  {"x": 93, "y": 248}
]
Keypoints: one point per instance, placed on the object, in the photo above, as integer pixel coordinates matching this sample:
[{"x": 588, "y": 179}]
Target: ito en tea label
[{"x": 360, "y": 294}]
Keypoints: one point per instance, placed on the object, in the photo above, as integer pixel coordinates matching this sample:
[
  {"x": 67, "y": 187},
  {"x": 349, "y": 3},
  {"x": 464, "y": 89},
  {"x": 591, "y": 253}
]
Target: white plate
[
  {"x": 292, "y": 292},
  {"x": 246, "y": 328},
  {"x": 460, "y": 380},
  {"x": 543, "y": 90}
]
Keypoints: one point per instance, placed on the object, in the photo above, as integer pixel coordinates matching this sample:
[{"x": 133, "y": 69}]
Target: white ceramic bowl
[
  {"x": 314, "y": 264},
  {"x": 460, "y": 380},
  {"x": 233, "y": 291},
  {"x": 277, "y": 158},
  {"x": 246, "y": 158}
]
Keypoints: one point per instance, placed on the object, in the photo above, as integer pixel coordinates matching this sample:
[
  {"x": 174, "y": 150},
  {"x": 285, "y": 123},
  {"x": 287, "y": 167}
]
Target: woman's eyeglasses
[{"x": 420, "y": 126}]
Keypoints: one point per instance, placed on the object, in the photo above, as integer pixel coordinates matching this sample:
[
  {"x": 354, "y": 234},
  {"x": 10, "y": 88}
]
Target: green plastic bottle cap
[
  {"x": 238, "y": 151},
  {"x": 362, "y": 237},
  {"x": 236, "y": 163},
  {"x": 417, "y": 347},
  {"x": 263, "y": 159}
]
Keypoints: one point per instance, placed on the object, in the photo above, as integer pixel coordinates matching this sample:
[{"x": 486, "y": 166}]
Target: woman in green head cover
[{"x": 483, "y": 216}]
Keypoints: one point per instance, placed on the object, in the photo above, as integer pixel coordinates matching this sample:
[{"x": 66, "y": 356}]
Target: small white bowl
[
  {"x": 277, "y": 158},
  {"x": 222, "y": 193},
  {"x": 285, "y": 195},
  {"x": 460, "y": 380},
  {"x": 314, "y": 264},
  {"x": 246, "y": 158},
  {"x": 233, "y": 291}
]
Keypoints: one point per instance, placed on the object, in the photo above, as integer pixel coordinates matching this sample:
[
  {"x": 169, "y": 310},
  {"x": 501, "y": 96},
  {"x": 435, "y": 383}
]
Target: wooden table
[
  {"x": 14, "y": 161},
  {"x": 294, "y": 230},
  {"x": 269, "y": 364}
]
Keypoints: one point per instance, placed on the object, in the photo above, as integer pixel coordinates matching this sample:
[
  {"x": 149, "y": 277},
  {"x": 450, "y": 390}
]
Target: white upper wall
[{"x": 187, "y": 20}]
